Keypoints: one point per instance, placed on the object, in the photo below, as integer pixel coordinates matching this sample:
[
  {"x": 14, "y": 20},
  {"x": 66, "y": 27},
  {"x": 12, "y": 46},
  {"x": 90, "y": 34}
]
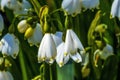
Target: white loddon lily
[
  {"x": 72, "y": 6},
  {"x": 9, "y": 45},
  {"x": 22, "y": 8},
  {"x": 115, "y": 9},
  {"x": 47, "y": 49},
  {"x": 72, "y": 43},
  {"x": 61, "y": 59},
  {"x": 16, "y": 6},
  {"x": 90, "y": 4},
  {"x": 37, "y": 35},
  {"x": 11, "y": 4},
  {"x": 103, "y": 54},
  {"x": 6, "y": 75},
  {"x": 1, "y": 24},
  {"x": 69, "y": 49}
]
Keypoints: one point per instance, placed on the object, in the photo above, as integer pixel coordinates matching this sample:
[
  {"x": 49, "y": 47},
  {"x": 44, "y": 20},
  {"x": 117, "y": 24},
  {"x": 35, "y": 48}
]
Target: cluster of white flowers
[
  {"x": 75, "y": 6},
  {"x": 52, "y": 47}
]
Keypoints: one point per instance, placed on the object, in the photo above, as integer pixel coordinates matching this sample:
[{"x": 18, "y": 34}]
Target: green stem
[
  {"x": 22, "y": 64},
  {"x": 51, "y": 77}
]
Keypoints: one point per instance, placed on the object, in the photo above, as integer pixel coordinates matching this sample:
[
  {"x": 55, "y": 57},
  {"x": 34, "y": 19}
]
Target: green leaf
[{"x": 109, "y": 71}]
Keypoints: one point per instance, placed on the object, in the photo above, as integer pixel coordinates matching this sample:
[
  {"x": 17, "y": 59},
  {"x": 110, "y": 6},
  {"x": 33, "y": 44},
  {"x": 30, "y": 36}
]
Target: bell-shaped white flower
[
  {"x": 22, "y": 7},
  {"x": 6, "y": 75},
  {"x": 1, "y": 24},
  {"x": 72, "y": 43},
  {"x": 57, "y": 38},
  {"x": 61, "y": 59},
  {"x": 9, "y": 45},
  {"x": 103, "y": 54},
  {"x": 47, "y": 49},
  {"x": 11, "y": 4},
  {"x": 90, "y": 4},
  {"x": 115, "y": 9},
  {"x": 71, "y": 6},
  {"x": 36, "y": 37}
]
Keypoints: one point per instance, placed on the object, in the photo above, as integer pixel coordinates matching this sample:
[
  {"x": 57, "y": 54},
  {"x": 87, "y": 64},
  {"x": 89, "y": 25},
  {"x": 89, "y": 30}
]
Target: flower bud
[
  {"x": 29, "y": 32},
  {"x": 23, "y": 26}
]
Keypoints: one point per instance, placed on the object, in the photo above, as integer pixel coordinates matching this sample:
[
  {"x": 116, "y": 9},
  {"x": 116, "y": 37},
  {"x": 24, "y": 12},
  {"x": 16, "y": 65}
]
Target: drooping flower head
[
  {"x": 47, "y": 49},
  {"x": 36, "y": 37},
  {"x": 90, "y": 4},
  {"x": 61, "y": 59},
  {"x": 70, "y": 48},
  {"x": 103, "y": 54},
  {"x": 115, "y": 9},
  {"x": 9, "y": 45},
  {"x": 72, "y": 6},
  {"x": 72, "y": 43}
]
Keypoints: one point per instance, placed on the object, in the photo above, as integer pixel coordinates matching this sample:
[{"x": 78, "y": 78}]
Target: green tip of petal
[
  {"x": 61, "y": 64},
  {"x": 77, "y": 61},
  {"x": 65, "y": 54}
]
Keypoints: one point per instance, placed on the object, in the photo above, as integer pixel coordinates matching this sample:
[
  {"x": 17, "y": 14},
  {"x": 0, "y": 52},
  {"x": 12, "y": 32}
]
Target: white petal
[
  {"x": 106, "y": 52},
  {"x": 41, "y": 50},
  {"x": 69, "y": 44},
  {"x": 76, "y": 57},
  {"x": 76, "y": 41},
  {"x": 89, "y": 4},
  {"x": 9, "y": 75},
  {"x": 115, "y": 9},
  {"x": 56, "y": 39},
  {"x": 50, "y": 48},
  {"x": 60, "y": 58}
]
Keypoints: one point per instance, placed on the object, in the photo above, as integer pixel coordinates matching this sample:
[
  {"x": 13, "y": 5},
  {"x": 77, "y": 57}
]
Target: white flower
[
  {"x": 72, "y": 43},
  {"x": 22, "y": 26},
  {"x": 61, "y": 59},
  {"x": 11, "y": 4},
  {"x": 47, "y": 49},
  {"x": 90, "y": 4},
  {"x": 6, "y": 75},
  {"x": 9, "y": 45},
  {"x": 115, "y": 9},
  {"x": 22, "y": 7},
  {"x": 16, "y": 6},
  {"x": 1, "y": 24},
  {"x": 72, "y": 6},
  {"x": 36, "y": 37},
  {"x": 57, "y": 38},
  {"x": 103, "y": 54}
]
